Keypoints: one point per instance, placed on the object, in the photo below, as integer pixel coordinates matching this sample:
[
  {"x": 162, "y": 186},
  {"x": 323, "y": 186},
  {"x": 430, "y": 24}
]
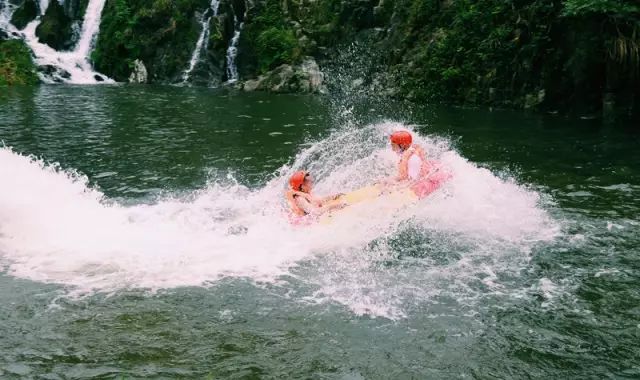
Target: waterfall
[
  {"x": 232, "y": 51},
  {"x": 44, "y": 4},
  {"x": 204, "y": 35},
  {"x": 90, "y": 28},
  {"x": 72, "y": 66},
  {"x": 6, "y": 11}
]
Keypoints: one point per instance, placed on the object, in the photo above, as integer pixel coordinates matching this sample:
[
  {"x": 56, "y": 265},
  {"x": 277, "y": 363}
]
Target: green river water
[{"x": 142, "y": 236}]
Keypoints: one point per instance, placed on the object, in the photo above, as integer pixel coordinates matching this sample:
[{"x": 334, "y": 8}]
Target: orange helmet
[
  {"x": 402, "y": 138},
  {"x": 297, "y": 179}
]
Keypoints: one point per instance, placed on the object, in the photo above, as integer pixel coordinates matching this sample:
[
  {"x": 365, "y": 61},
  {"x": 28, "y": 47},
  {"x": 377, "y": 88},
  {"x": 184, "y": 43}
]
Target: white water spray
[
  {"x": 54, "y": 228},
  {"x": 73, "y": 66},
  {"x": 204, "y": 36}
]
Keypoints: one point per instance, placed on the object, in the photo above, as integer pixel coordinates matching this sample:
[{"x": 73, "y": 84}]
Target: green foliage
[
  {"x": 268, "y": 40},
  {"x": 559, "y": 54},
  {"x": 276, "y": 46},
  {"x": 80, "y": 11},
  {"x": 161, "y": 33},
  {"x": 26, "y": 13},
  {"x": 16, "y": 66},
  {"x": 616, "y": 8},
  {"x": 620, "y": 25}
]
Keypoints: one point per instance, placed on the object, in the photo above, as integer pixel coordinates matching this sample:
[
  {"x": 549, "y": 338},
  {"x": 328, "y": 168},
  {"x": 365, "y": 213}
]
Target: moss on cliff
[
  {"x": 267, "y": 40},
  {"x": 25, "y": 13},
  {"x": 161, "y": 33},
  {"x": 55, "y": 29},
  {"x": 16, "y": 66}
]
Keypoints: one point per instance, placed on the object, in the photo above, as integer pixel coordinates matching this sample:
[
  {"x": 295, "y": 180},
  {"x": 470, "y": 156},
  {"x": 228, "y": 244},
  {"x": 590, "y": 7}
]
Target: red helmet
[
  {"x": 297, "y": 179},
  {"x": 402, "y": 138}
]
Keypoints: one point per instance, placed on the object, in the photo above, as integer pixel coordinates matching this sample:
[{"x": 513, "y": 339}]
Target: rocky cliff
[{"x": 580, "y": 56}]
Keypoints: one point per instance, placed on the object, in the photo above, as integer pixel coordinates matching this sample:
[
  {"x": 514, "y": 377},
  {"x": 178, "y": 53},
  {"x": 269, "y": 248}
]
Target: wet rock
[
  {"x": 47, "y": 69},
  {"x": 56, "y": 28},
  {"x": 55, "y": 73},
  {"x": 303, "y": 78},
  {"x": 98, "y": 78},
  {"x": 532, "y": 101},
  {"x": 75, "y": 8},
  {"x": 26, "y": 13},
  {"x": 3, "y": 35},
  {"x": 139, "y": 73}
]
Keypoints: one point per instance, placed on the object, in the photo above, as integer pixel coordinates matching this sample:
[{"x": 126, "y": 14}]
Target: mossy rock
[
  {"x": 75, "y": 9},
  {"x": 55, "y": 29},
  {"x": 16, "y": 65},
  {"x": 26, "y": 13}
]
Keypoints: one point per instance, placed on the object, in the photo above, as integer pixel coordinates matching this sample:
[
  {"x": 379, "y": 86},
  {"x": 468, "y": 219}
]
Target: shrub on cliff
[
  {"x": 276, "y": 46},
  {"x": 16, "y": 66},
  {"x": 267, "y": 39}
]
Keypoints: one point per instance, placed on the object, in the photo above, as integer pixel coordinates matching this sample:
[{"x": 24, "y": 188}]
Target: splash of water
[
  {"x": 72, "y": 66},
  {"x": 55, "y": 228},
  {"x": 204, "y": 36}
]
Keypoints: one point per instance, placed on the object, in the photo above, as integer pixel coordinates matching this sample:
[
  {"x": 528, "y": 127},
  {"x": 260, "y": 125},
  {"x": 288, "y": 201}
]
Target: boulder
[
  {"x": 139, "y": 73},
  {"x": 26, "y": 13},
  {"x": 532, "y": 101},
  {"x": 303, "y": 78}
]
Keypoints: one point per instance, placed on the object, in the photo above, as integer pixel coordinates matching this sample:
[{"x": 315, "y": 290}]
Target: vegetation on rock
[
  {"x": 16, "y": 66},
  {"x": 565, "y": 55},
  {"x": 161, "y": 33},
  {"x": 55, "y": 29},
  {"x": 24, "y": 14},
  {"x": 267, "y": 41}
]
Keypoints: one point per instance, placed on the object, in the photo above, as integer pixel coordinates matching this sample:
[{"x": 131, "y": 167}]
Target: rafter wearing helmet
[
  {"x": 302, "y": 202},
  {"x": 423, "y": 176}
]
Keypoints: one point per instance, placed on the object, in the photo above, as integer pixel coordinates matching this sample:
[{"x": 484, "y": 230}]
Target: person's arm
[
  {"x": 316, "y": 206},
  {"x": 294, "y": 205},
  {"x": 331, "y": 206},
  {"x": 403, "y": 166},
  {"x": 331, "y": 197},
  {"x": 316, "y": 202}
]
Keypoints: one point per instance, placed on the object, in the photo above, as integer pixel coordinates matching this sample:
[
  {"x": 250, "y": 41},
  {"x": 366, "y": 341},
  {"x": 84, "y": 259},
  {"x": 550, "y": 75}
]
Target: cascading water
[
  {"x": 204, "y": 35},
  {"x": 6, "y": 11},
  {"x": 73, "y": 66},
  {"x": 232, "y": 51}
]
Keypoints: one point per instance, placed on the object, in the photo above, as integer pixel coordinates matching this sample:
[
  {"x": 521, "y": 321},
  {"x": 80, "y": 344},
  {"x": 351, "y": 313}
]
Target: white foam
[{"x": 55, "y": 228}]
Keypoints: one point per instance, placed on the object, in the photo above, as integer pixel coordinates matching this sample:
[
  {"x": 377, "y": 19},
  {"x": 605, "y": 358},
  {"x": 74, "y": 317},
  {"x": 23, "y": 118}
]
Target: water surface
[{"x": 145, "y": 238}]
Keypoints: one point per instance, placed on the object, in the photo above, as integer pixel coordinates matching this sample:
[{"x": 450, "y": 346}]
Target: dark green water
[{"x": 528, "y": 269}]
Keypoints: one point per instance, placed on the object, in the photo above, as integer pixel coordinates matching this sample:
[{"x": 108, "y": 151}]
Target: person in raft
[
  {"x": 300, "y": 200},
  {"x": 424, "y": 177}
]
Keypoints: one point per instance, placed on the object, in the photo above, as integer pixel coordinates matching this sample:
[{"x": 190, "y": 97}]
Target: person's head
[
  {"x": 301, "y": 181},
  {"x": 400, "y": 140}
]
